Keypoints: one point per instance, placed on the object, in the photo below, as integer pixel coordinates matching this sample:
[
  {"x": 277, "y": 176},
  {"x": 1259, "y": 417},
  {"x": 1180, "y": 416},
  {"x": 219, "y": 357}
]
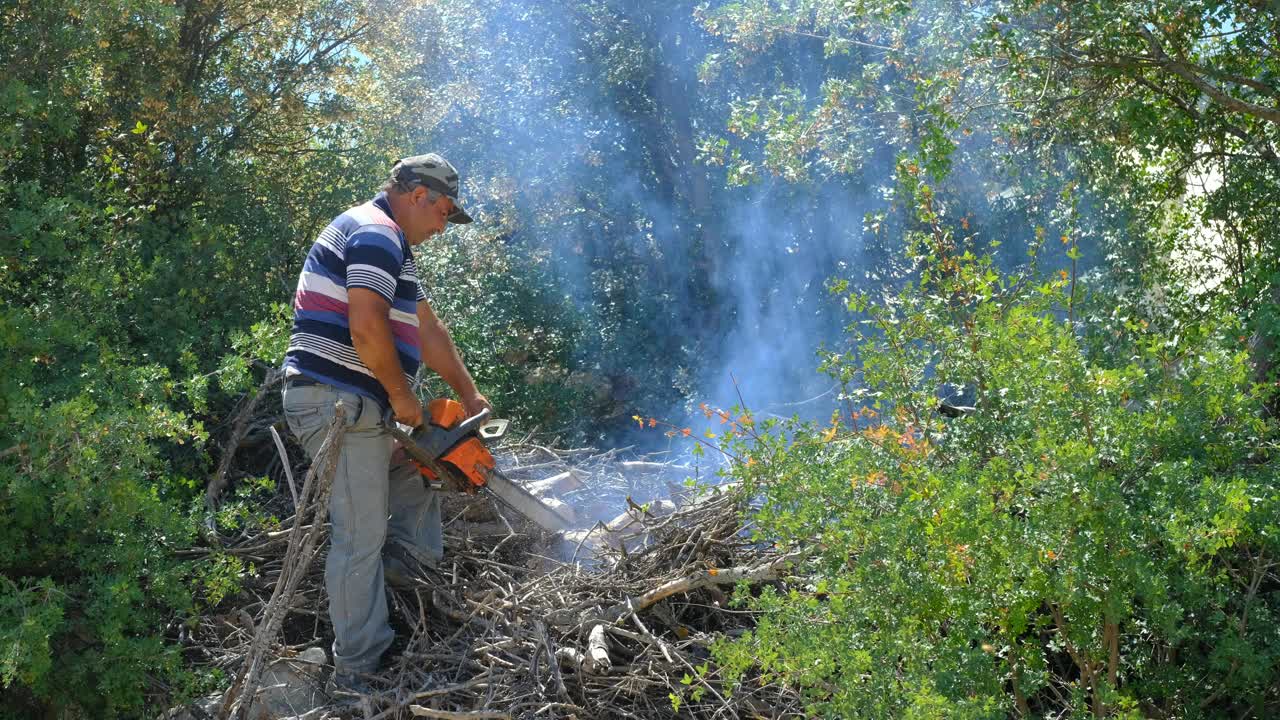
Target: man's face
[{"x": 430, "y": 218}]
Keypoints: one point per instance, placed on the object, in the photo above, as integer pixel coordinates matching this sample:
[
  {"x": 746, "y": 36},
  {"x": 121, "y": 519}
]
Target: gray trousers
[{"x": 374, "y": 500}]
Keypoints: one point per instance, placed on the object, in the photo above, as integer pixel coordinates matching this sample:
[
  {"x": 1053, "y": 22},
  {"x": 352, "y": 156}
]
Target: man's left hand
[{"x": 473, "y": 404}]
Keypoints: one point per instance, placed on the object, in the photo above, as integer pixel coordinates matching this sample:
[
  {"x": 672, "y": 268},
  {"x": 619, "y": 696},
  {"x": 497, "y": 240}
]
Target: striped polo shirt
[{"x": 362, "y": 248}]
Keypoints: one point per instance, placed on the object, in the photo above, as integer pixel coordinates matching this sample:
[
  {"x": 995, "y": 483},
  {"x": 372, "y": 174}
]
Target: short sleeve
[
  {"x": 422, "y": 296},
  {"x": 374, "y": 258}
]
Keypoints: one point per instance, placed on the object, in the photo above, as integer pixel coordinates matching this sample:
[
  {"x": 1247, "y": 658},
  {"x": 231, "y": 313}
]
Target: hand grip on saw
[
  {"x": 487, "y": 430},
  {"x": 447, "y": 448}
]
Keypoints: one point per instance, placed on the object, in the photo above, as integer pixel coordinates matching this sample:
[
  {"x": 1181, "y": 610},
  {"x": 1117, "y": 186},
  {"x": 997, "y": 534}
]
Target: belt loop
[{"x": 360, "y": 415}]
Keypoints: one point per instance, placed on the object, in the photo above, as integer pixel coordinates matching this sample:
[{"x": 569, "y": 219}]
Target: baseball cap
[{"x": 434, "y": 173}]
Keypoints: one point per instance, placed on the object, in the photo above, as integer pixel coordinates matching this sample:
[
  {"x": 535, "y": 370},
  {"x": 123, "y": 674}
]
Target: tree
[
  {"x": 1178, "y": 92},
  {"x": 169, "y": 163}
]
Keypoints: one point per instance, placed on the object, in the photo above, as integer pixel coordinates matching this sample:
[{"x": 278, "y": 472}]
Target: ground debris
[{"x": 612, "y": 620}]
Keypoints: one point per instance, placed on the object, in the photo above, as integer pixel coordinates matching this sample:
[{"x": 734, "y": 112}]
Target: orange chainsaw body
[{"x": 469, "y": 458}]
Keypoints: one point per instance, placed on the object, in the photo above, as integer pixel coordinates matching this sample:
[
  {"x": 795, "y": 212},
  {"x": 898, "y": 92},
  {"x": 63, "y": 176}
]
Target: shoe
[
  {"x": 348, "y": 683},
  {"x": 403, "y": 568}
]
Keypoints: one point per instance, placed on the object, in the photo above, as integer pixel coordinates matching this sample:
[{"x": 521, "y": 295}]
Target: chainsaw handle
[{"x": 471, "y": 424}]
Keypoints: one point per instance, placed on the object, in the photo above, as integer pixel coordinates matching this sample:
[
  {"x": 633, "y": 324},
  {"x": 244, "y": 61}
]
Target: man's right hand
[{"x": 408, "y": 409}]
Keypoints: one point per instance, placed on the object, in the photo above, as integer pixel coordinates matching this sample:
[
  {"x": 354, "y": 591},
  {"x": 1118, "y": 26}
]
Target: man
[{"x": 362, "y": 325}]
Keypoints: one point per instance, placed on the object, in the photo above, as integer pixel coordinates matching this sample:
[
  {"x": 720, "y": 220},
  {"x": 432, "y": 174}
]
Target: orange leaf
[
  {"x": 652, "y": 422},
  {"x": 686, "y": 432}
]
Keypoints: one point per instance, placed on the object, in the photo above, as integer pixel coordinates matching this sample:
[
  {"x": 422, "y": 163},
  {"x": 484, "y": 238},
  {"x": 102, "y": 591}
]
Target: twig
[
  {"x": 284, "y": 462},
  {"x": 450, "y": 715}
]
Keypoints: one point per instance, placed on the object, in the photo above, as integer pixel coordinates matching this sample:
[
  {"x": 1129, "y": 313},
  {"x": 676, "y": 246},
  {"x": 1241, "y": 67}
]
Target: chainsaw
[{"x": 451, "y": 450}]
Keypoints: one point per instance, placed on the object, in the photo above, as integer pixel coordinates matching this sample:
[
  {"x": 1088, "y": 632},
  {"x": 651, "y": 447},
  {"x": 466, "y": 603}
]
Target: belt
[{"x": 300, "y": 381}]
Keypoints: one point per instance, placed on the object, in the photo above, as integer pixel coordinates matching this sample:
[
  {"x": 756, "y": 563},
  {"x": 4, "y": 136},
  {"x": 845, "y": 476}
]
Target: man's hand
[
  {"x": 474, "y": 403},
  {"x": 408, "y": 409}
]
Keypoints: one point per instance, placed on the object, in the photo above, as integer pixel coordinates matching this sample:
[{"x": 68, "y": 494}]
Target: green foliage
[
  {"x": 516, "y": 331},
  {"x": 89, "y": 520},
  {"x": 169, "y": 164},
  {"x": 1098, "y": 536}
]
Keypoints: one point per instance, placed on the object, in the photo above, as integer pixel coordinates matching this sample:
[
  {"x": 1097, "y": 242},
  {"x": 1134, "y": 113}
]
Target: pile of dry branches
[{"x": 611, "y": 621}]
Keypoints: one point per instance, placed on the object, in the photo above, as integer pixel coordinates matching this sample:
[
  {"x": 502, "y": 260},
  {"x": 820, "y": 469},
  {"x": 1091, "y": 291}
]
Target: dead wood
[
  {"x": 513, "y": 623},
  {"x": 449, "y": 715},
  {"x": 297, "y": 560},
  {"x": 238, "y": 429},
  {"x": 765, "y": 571}
]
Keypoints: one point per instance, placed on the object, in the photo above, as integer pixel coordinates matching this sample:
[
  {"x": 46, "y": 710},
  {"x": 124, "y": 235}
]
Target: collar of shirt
[{"x": 380, "y": 200}]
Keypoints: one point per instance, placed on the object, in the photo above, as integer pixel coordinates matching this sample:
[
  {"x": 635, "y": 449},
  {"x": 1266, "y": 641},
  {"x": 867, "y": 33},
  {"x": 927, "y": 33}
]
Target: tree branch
[
  {"x": 219, "y": 481},
  {"x": 1184, "y": 71}
]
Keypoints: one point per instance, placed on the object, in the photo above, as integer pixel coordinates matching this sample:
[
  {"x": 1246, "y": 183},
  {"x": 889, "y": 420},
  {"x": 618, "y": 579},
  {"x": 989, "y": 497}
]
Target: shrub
[
  {"x": 89, "y": 520},
  {"x": 1097, "y": 537}
]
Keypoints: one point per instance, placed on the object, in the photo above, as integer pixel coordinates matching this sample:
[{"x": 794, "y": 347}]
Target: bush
[
  {"x": 1097, "y": 537},
  {"x": 89, "y": 520}
]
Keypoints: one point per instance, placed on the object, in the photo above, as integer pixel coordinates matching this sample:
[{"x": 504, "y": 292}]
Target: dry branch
[
  {"x": 447, "y": 715},
  {"x": 598, "y": 651},
  {"x": 284, "y": 461},
  {"x": 508, "y": 625},
  {"x": 297, "y": 560},
  {"x": 241, "y": 426},
  {"x": 711, "y": 576}
]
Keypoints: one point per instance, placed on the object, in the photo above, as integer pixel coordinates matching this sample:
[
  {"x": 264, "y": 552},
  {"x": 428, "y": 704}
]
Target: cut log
[
  {"x": 597, "y": 660},
  {"x": 644, "y": 466},
  {"x": 556, "y": 484}
]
